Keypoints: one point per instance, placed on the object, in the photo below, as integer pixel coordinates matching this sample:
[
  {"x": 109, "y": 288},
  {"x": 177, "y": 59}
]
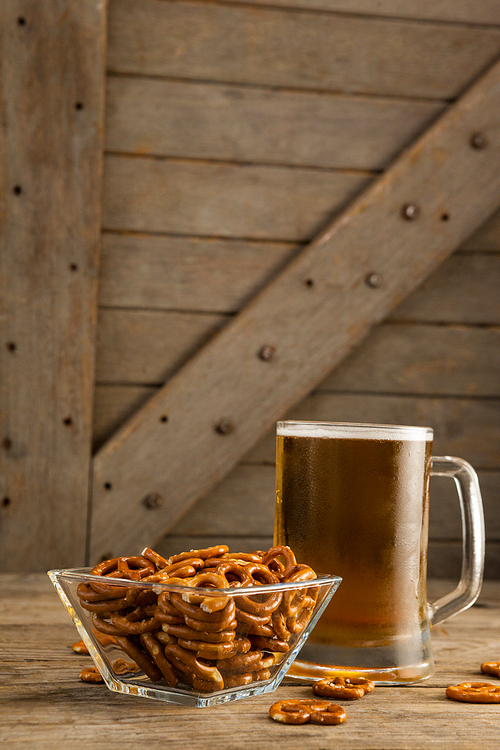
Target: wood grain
[
  {"x": 51, "y": 164},
  {"x": 295, "y": 48},
  {"x": 465, "y": 427},
  {"x": 329, "y": 316},
  {"x": 186, "y": 273},
  {"x": 238, "y": 123},
  {"x": 45, "y": 705},
  {"x": 462, "y": 11},
  {"x": 146, "y": 347},
  {"x": 487, "y": 237},
  {"x": 221, "y": 199}
]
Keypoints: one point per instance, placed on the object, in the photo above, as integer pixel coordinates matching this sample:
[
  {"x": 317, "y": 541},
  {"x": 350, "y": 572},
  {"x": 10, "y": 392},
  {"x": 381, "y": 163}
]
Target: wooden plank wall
[
  {"x": 219, "y": 166},
  {"x": 51, "y": 144}
]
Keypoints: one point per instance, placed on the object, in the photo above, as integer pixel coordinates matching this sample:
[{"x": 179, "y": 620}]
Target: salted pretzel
[
  {"x": 189, "y": 664},
  {"x": 199, "y": 634},
  {"x": 208, "y": 552},
  {"x": 155, "y": 650},
  {"x": 91, "y": 674},
  {"x": 301, "y": 711},
  {"x": 474, "y": 692},
  {"x": 491, "y": 667},
  {"x": 343, "y": 688},
  {"x": 271, "y": 559}
]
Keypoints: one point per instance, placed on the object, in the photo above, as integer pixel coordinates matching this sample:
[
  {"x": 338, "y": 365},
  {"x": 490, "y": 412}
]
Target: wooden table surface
[{"x": 45, "y": 705}]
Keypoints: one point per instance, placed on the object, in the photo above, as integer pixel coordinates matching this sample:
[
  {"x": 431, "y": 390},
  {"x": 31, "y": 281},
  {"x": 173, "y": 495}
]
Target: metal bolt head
[
  {"x": 224, "y": 426},
  {"x": 267, "y": 352},
  {"x": 410, "y": 211},
  {"x": 374, "y": 280},
  {"x": 478, "y": 141},
  {"x": 152, "y": 501}
]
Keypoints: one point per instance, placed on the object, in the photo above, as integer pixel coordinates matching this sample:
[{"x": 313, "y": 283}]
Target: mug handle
[{"x": 473, "y": 543}]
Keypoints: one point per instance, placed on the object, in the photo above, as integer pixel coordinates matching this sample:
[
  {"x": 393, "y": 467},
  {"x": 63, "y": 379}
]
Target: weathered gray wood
[
  {"x": 487, "y": 237},
  {"x": 293, "y": 48},
  {"x": 238, "y": 123},
  {"x": 465, "y": 11},
  {"x": 186, "y": 273},
  {"x": 441, "y": 360},
  {"x": 465, "y": 427},
  {"x": 50, "y": 170},
  {"x": 162, "y": 195},
  {"x": 148, "y": 346},
  {"x": 197, "y": 274},
  {"x": 473, "y": 283},
  {"x": 314, "y": 314},
  {"x": 113, "y": 405},
  {"x": 45, "y": 705}
]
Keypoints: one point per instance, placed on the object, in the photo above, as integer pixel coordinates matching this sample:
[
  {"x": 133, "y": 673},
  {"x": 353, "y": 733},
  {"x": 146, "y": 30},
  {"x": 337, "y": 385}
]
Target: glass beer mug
[{"x": 353, "y": 500}]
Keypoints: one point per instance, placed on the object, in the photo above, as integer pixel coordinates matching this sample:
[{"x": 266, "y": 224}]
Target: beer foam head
[{"x": 353, "y": 431}]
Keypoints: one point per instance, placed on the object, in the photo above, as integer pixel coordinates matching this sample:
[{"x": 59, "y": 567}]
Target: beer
[{"x": 352, "y": 500}]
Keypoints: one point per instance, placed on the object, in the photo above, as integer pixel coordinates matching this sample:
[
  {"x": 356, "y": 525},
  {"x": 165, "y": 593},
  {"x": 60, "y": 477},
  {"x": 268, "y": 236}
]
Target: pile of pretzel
[{"x": 206, "y": 641}]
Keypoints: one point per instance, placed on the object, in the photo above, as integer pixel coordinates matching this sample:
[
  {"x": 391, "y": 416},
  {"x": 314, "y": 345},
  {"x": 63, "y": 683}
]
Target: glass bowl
[{"x": 195, "y": 631}]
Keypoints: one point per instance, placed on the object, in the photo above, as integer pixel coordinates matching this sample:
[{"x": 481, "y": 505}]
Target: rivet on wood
[
  {"x": 5, "y": 502},
  {"x": 224, "y": 426},
  {"x": 73, "y": 266},
  {"x": 153, "y": 500},
  {"x": 21, "y": 21},
  {"x": 11, "y": 346},
  {"x": 478, "y": 141},
  {"x": 78, "y": 105},
  {"x": 309, "y": 282},
  {"x": 17, "y": 190},
  {"x": 410, "y": 211},
  {"x": 7, "y": 443},
  {"x": 67, "y": 421},
  {"x": 267, "y": 352},
  {"x": 163, "y": 418},
  {"x": 374, "y": 280},
  {"x": 108, "y": 486}
]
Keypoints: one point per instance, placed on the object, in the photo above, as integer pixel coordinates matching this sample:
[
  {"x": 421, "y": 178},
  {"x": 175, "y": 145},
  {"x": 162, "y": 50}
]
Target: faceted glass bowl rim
[{"x": 83, "y": 575}]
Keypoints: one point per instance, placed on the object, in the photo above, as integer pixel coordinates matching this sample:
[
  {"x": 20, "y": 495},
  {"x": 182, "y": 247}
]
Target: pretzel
[
  {"x": 155, "y": 651},
  {"x": 474, "y": 692},
  {"x": 182, "y": 631},
  {"x": 120, "y": 666},
  {"x": 235, "y": 574},
  {"x": 300, "y": 711},
  {"x": 343, "y": 688},
  {"x": 206, "y": 650},
  {"x": 128, "y": 625},
  {"x": 270, "y": 644},
  {"x": 274, "y": 553},
  {"x": 187, "y": 662},
  {"x": 142, "y": 659},
  {"x": 209, "y": 552},
  {"x": 105, "y": 605},
  {"x": 238, "y": 679},
  {"x": 240, "y": 662},
  {"x": 105, "y": 640},
  {"x": 491, "y": 667},
  {"x": 199, "y": 634},
  {"x": 91, "y": 674},
  {"x": 181, "y": 569},
  {"x": 222, "y": 617}
]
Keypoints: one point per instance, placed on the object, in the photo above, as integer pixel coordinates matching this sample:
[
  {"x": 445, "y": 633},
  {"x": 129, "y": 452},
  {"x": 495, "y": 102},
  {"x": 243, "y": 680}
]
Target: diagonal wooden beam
[{"x": 300, "y": 327}]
